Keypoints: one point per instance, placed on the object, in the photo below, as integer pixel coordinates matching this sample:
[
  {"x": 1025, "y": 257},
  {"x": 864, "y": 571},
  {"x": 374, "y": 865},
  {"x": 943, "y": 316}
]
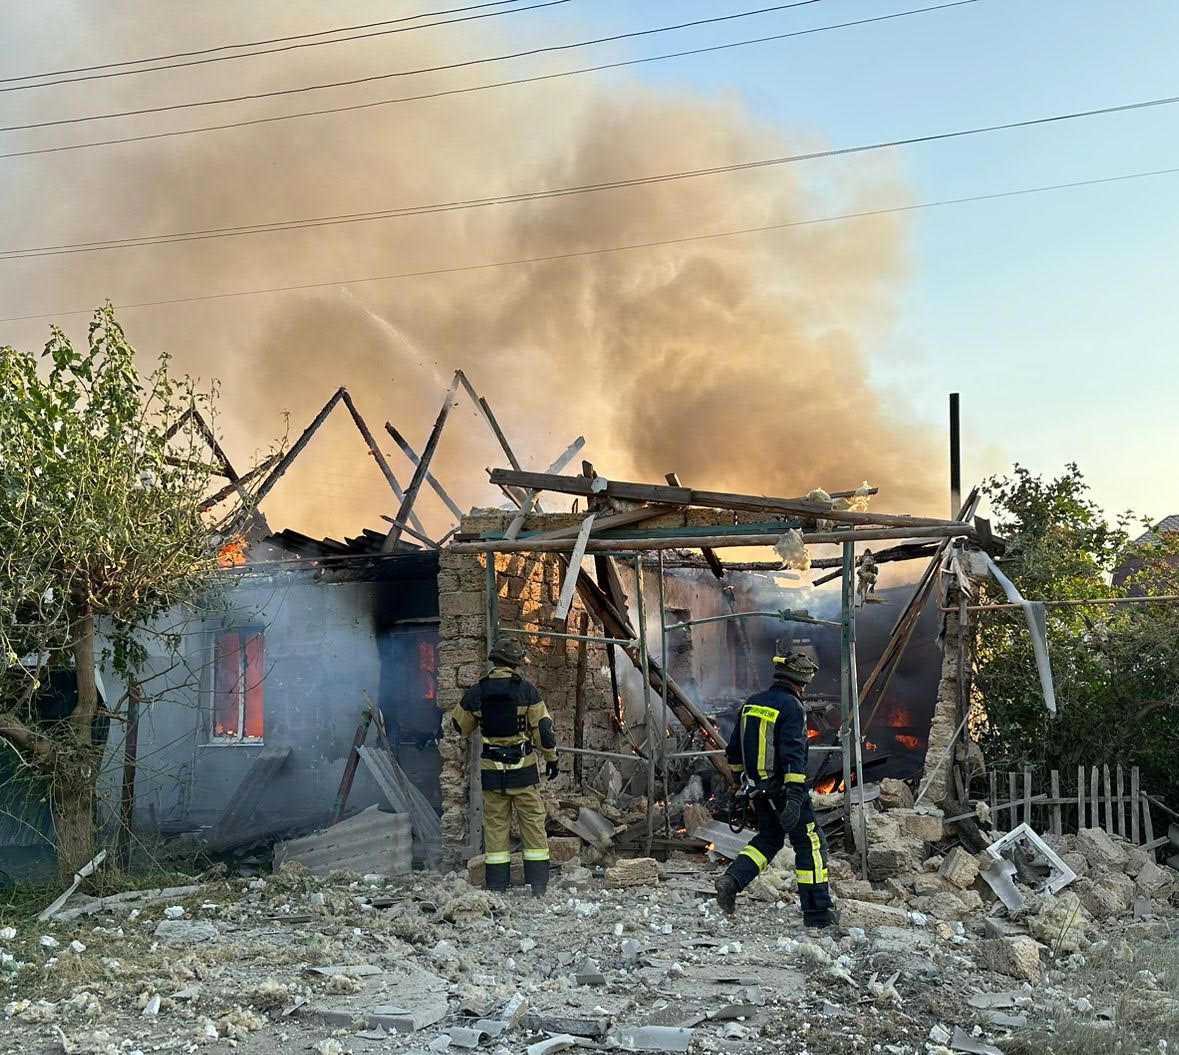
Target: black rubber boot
[
  {"x": 726, "y": 894},
  {"x": 820, "y": 919},
  {"x": 536, "y": 875},
  {"x": 496, "y": 877}
]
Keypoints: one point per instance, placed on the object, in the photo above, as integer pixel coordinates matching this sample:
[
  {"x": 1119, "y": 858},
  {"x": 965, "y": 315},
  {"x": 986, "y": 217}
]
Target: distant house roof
[{"x": 1166, "y": 526}]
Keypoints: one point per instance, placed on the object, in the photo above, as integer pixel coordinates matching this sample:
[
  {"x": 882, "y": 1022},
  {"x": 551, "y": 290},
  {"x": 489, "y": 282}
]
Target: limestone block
[
  {"x": 926, "y": 884},
  {"x": 1155, "y": 881},
  {"x": 895, "y": 794},
  {"x": 1016, "y": 957},
  {"x": 633, "y": 871},
  {"x": 1104, "y": 852},
  {"x": 563, "y": 848},
  {"x": 959, "y": 868},
  {"x": 1078, "y": 862},
  {"x": 461, "y": 602},
  {"x": 925, "y": 824},
  {"x": 869, "y": 915},
  {"x": 1107, "y": 896},
  {"x": 861, "y": 890},
  {"x": 1059, "y": 921},
  {"x": 941, "y": 906}
]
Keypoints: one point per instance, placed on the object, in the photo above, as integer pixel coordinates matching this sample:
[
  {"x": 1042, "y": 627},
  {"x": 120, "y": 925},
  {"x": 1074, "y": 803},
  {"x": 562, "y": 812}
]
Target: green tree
[
  {"x": 102, "y": 473},
  {"x": 1115, "y": 668}
]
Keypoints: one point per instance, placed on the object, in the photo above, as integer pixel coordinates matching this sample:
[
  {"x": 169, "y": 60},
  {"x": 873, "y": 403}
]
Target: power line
[
  {"x": 87, "y": 76},
  {"x": 557, "y": 192},
  {"x": 603, "y": 250},
  {"x": 325, "y": 111},
  {"x": 194, "y": 104}
]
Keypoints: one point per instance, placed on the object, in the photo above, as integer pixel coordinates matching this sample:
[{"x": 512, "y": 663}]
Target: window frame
[{"x": 244, "y": 634}]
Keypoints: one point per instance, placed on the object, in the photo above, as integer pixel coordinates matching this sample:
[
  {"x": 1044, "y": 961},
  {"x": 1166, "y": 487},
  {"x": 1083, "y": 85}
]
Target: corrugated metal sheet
[{"x": 372, "y": 841}]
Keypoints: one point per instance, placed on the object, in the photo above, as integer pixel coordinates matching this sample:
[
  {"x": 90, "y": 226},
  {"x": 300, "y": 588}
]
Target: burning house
[{"x": 642, "y": 641}]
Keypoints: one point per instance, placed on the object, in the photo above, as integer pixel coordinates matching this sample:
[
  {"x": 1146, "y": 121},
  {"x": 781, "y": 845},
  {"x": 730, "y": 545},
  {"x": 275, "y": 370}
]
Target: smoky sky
[{"x": 741, "y": 363}]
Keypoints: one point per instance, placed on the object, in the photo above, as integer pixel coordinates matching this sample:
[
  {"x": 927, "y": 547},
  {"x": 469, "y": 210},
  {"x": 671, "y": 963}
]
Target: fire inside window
[
  {"x": 237, "y": 686},
  {"x": 428, "y": 666}
]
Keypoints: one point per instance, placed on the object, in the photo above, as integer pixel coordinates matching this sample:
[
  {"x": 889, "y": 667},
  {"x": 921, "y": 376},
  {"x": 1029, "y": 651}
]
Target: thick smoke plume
[{"x": 740, "y": 363}]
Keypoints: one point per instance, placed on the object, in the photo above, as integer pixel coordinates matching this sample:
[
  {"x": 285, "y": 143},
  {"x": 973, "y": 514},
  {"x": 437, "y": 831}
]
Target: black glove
[
  {"x": 790, "y": 811},
  {"x": 552, "y": 769}
]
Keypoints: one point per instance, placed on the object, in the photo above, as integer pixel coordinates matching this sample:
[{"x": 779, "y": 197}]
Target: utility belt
[{"x": 511, "y": 755}]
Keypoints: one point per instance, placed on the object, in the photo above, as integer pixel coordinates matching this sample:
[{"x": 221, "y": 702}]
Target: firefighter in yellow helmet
[
  {"x": 517, "y": 732},
  {"x": 768, "y": 752}
]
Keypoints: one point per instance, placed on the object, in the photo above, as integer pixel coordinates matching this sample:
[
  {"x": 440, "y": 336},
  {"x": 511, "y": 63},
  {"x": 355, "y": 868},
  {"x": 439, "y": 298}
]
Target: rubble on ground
[{"x": 625, "y": 952}]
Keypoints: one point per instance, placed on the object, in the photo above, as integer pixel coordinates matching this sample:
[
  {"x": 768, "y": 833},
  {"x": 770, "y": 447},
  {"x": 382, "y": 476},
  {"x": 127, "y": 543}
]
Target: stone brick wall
[{"x": 529, "y": 586}]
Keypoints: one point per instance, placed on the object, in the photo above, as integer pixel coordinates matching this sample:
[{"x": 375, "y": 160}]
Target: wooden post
[
  {"x": 1147, "y": 823},
  {"x": 1080, "y": 797},
  {"x": 579, "y": 698},
  {"x": 411, "y": 454},
  {"x": 1027, "y": 797},
  {"x": 1109, "y": 825},
  {"x": 130, "y": 756},
  {"x": 1094, "y": 799},
  {"x": 994, "y": 782},
  {"x": 1012, "y": 804},
  {"x": 1121, "y": 814},
  {"x": 1135, "y": 807},
  {"x": 1057, "y": 827}
]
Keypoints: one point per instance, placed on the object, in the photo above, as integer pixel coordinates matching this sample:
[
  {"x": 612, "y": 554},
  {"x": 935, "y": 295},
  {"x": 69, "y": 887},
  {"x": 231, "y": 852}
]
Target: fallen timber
[
  {"x": 599, "y": 544},
  {"x": 687, "y": 496}
]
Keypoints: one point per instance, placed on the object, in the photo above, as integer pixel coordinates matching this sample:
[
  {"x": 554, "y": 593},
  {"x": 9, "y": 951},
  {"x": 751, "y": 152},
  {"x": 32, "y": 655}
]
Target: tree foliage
[
  {"x": 1115, "y": 668},
  {"x": 102, "y": 471}
]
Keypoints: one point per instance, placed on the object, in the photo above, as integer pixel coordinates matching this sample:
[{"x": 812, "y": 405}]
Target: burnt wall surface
[
  {"x": 331, "y": 633},
  {"x": 527, "y": 589}
]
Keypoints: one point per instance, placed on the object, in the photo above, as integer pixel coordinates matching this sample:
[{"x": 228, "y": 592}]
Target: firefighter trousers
[
  {"x": 529, "y": 809},
  {"x": 810, "y": 855}
]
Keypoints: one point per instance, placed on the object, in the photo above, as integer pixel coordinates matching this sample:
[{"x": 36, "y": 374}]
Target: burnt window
[{"x": 238, "y": 707}]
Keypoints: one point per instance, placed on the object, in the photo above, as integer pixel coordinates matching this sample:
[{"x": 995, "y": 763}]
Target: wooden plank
[
  {"x": 1080, "y": 797},
  {"x": 1120, "y": 816},
  {"x": 305, "y": 438},
  {"x": 1147, "y": 822},
  {"x": 561, "y": 612},
  {"x": 1135, "y": 807},
  {"x": 730, "y": 541},
  {"x": 1027, "y": 797},
  {"x": 1057, "y": 828},
  {"x": 1094, "y": 799},
  {"x": 246, "y": 799},
  {"x": 378, "y": 456},
  {"x": 683, "y": 496},
  {"x": 236, "y": 485},
  {"x": 1013, "y": 812},
  {"x": 1109, "y": 825},
  {"x": 419, "y": 473},
  {"x": 431, "y": 479},
  {"x": 994, "y": 781}
]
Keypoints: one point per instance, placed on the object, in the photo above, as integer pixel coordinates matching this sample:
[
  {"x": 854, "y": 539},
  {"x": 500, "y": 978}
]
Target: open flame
[
  {"x": 913, "y": 743},
  {"x": 232, "y": 553}
]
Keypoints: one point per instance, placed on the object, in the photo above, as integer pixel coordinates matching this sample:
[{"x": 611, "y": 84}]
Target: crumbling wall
[
  {"x": 948, "y": 708},
  {"x": 528, "y": 587}
]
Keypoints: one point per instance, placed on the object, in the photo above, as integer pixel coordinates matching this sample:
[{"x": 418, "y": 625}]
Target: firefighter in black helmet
[
  {"x": 517, "y": 731},
  {"x": 768, "y": 752}
]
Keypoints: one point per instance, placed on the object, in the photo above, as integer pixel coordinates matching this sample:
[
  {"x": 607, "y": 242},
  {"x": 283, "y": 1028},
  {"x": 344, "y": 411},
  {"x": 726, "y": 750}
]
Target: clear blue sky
[{"x": 1055, "y": 315}]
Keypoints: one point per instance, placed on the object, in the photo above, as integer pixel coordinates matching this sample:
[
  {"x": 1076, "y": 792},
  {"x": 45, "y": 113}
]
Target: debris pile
[{"x": 630, "y": 955}]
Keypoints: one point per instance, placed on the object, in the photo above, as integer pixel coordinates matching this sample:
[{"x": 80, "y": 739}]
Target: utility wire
[
  {"x": 603, "y": 250},
  {"x": 144, "y": 137},
  {"x": 484, "y": 60},
  {"x": 276, "y": 50},
  {"x": 557, "y": 192}
]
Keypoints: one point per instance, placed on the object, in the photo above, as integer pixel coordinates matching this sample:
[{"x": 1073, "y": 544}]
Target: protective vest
[
  {"x": 769, "y": 742},
  {"x": 503, "y": 707}
]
